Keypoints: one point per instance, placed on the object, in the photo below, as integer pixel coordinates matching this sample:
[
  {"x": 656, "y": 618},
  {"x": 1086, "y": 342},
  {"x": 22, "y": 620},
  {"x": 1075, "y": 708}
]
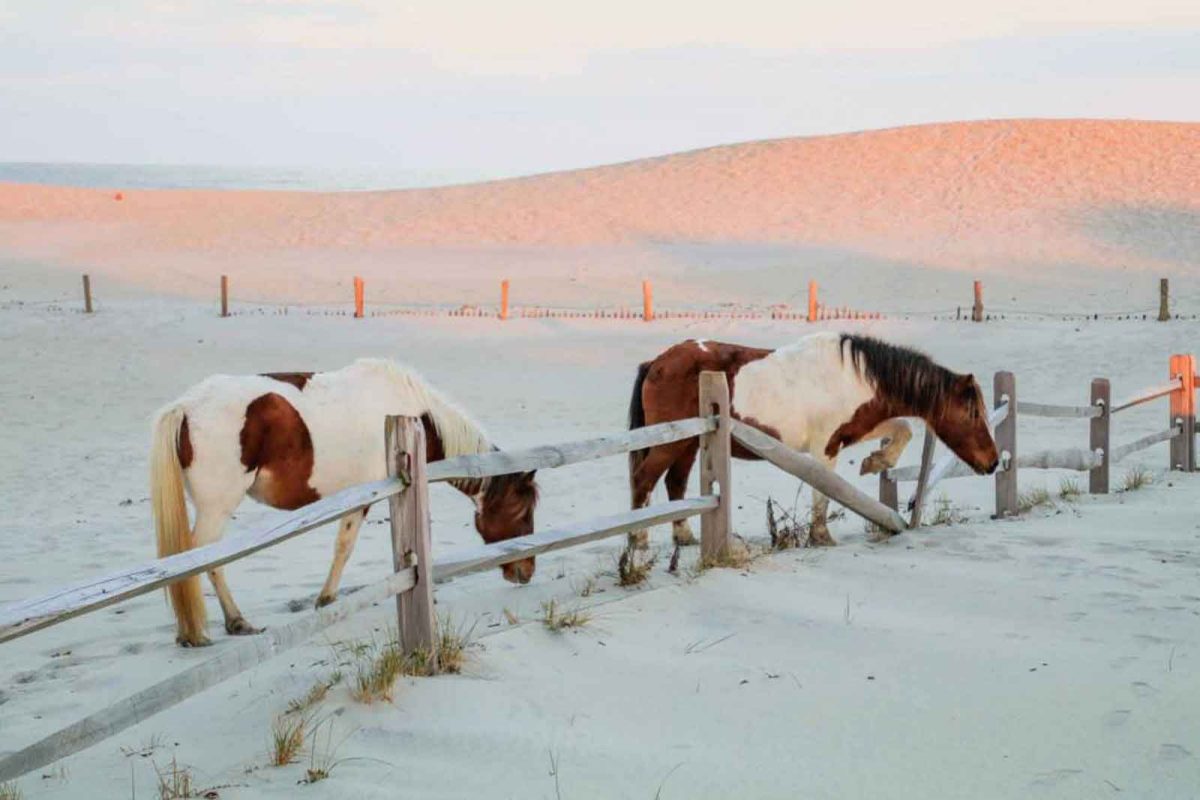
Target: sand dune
[{"x": 1008, "y": 196}]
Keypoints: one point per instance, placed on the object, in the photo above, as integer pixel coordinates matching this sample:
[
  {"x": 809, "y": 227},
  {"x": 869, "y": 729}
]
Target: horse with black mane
[
  {"x": 289, "y": 439},
  {"x": 821, "y": 394}
]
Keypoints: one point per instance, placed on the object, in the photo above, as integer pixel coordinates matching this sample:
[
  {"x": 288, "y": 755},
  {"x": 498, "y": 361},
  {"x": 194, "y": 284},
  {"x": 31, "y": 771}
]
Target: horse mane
[
  {"x": 906, "y": 377},
  {"x": 460, "y": 434}
]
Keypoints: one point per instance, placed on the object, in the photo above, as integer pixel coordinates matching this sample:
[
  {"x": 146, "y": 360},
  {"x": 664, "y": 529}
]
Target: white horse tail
[{"x": 173, "y": 531}]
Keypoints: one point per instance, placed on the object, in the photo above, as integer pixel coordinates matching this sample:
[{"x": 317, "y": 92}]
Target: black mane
[{"x": 906, "y": 377}]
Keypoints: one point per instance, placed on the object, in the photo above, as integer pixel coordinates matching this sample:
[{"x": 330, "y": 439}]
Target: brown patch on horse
[
  {"x": 297, "y": 379},
  {"x": 276, "y": 444},
  {"x": 184, "y": 445},
  {"x": 864, "y": 420}
]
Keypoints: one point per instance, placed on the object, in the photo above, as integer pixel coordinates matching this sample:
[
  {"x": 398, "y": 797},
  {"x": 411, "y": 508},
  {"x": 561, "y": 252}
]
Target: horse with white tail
[
  {"x": 288, "y": 439},
  {"x": 819, "y": 395}
]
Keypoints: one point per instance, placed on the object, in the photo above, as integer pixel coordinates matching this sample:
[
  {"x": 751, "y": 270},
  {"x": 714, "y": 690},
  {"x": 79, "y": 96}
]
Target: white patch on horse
[
  {"x": 805, "y": 391},
  {"x": 700, "y": 344}
]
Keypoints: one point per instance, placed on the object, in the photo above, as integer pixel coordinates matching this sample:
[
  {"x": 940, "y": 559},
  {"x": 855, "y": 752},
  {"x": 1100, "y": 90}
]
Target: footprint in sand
[
  {"x": 1143, "y": 689},
  {"x": 1117, "y": 718},
  {"x": 1173, "y": 752},
  {"x": 1051, "y": 779}
]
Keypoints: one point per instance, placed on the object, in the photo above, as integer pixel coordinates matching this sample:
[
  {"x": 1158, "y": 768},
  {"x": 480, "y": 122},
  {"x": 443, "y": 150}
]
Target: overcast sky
[{"x": 509, "y": 86}]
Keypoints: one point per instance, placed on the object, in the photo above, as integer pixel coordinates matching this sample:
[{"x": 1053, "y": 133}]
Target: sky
[{"x": 519, "y": 86}]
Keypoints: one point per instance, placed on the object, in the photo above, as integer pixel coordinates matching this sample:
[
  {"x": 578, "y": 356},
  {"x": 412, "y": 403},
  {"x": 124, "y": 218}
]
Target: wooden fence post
[
  {"x": 889, "y": 491},
  {"x": 1164, "y": 297},
  {"x": 647, "y": 301},
  {"x": 715, "y": 465},
  {"x": 87, "y": 294},
  {"x": 1183, "y": 413},
  {"x": 812, "y": 301},
  {"x": 224, "y": 295},
  {"x": 404, "y": 440},
  {"x": 923, "y": 477},
  {"x": 504, "y": 299},
  {"x": 977, "y": 310},
  {"x": 1101, "y": 432},
  {"x": 359, "y": 297},
  {"x": 1005, "y": 387}
]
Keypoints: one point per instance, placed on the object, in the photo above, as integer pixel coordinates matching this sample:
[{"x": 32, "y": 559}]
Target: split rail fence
[{"x": 407, "y": 491}]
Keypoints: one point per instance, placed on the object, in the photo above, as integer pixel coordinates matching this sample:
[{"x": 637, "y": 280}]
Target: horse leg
[
  {"x": 895, "y": 435},
  {"x": 642, "y": 484},
  {"x": 347, "y": 536},
  {"x": 677, "y": 481},
  {"x": 818, "y": 532},
  {"x": 209, "y": 528}
]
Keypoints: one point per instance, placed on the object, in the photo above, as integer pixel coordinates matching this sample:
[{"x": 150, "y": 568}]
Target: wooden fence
[
  {"x": 414, "y": 572},
  {"x": 1096, "y": 459}
]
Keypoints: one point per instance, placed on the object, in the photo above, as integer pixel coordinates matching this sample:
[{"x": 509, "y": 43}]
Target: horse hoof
[
  {"x": 820, "y": 538},
  {"x": 324, "y": 600},
  {"x": 685, "y": 538},
  {"x": 239, "y": 627},
  {"x": 197, "y": 641},
  {"x": 873, "y": 465}
]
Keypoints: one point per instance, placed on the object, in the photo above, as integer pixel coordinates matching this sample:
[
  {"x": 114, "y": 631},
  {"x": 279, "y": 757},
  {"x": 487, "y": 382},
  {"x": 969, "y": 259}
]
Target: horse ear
[{"x": 528, "y": 476}]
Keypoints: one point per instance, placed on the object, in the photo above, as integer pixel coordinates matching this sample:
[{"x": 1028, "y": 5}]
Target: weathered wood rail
[{"x": 1096, "y": 459}]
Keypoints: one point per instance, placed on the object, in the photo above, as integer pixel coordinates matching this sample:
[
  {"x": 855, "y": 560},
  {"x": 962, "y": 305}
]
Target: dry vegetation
[
  {"x": 1136, "y": 477},
  {"x": 632, "y": 569},
  {"x": 287, "y": 738},
  {"x": 736, "y": 555},
  {"x": 945, "y": 512},
  {"x": 558, "y": 619},
  {"x": 785, "y": 528},
  {"x": 1034, "y": 498},
  {"x": 315, "y": 696},
  {"x": 10, "y": 791},
  {"x": 174, "y": 781},
  {"x": 1068, "y": 489}
]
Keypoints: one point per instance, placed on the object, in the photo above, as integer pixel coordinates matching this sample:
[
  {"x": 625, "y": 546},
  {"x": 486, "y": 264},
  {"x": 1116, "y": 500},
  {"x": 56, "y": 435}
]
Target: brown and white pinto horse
[
  {"x": 823, "y": 393},
  {"x": 287, "y": 440}
]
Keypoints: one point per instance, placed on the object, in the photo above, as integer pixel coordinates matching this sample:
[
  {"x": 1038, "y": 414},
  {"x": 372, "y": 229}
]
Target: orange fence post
[
  {"x": 977, "y": 310},
  {"x": 1183, "y": 413},
  {"x": 358, "y": 297},
  {"x": 504, "y": 299},
  {"x": 647, "y": 301},
  {"x": 812, "y": 301},
  {"x": 224, "y": 295}
]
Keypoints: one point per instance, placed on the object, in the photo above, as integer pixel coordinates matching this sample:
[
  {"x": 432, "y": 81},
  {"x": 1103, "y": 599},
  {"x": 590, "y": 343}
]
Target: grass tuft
[
  {"x": 945, "y": 512},
  {"x": 10, "y": 791},
  {"x": 1033, "y": 498},
  {"x": 786, "y": 530},
  {"x": 1068, "y": 489},
  {"x": 633, "y": 570},
  {"x": 174, "y": 781},
  {"x": 322, "y": 757},
  {"x": 557, "y": 619},
  {"x": 376, "y": 672},
  {"x": 315, "y": 696},
  {"x": 1136, "y": 478},
  {"x": 287, "y": 738}
]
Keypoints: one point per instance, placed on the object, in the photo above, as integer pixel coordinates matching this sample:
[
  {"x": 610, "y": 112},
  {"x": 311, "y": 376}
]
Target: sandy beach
[{"x": 1055, "y": 655}]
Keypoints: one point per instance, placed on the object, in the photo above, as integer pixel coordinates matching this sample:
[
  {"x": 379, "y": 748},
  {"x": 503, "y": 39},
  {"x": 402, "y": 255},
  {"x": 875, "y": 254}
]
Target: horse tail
[
  {"x": 637, "y": 417},
  {"x": 172, "y": 529}
]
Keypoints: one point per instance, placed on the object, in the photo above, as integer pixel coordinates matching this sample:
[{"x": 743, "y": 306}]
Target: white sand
[{"x": 1055, "y": 656}]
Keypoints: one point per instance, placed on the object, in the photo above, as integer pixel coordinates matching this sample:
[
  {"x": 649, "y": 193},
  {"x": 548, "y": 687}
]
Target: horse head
[
  {"x": 505, "y": 511},
  {"x": 962, "y": 423}
]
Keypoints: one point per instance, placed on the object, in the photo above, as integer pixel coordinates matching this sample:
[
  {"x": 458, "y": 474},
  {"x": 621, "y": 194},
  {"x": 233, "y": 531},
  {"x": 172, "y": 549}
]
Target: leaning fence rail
[{"x": 1095, "y": 459}]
